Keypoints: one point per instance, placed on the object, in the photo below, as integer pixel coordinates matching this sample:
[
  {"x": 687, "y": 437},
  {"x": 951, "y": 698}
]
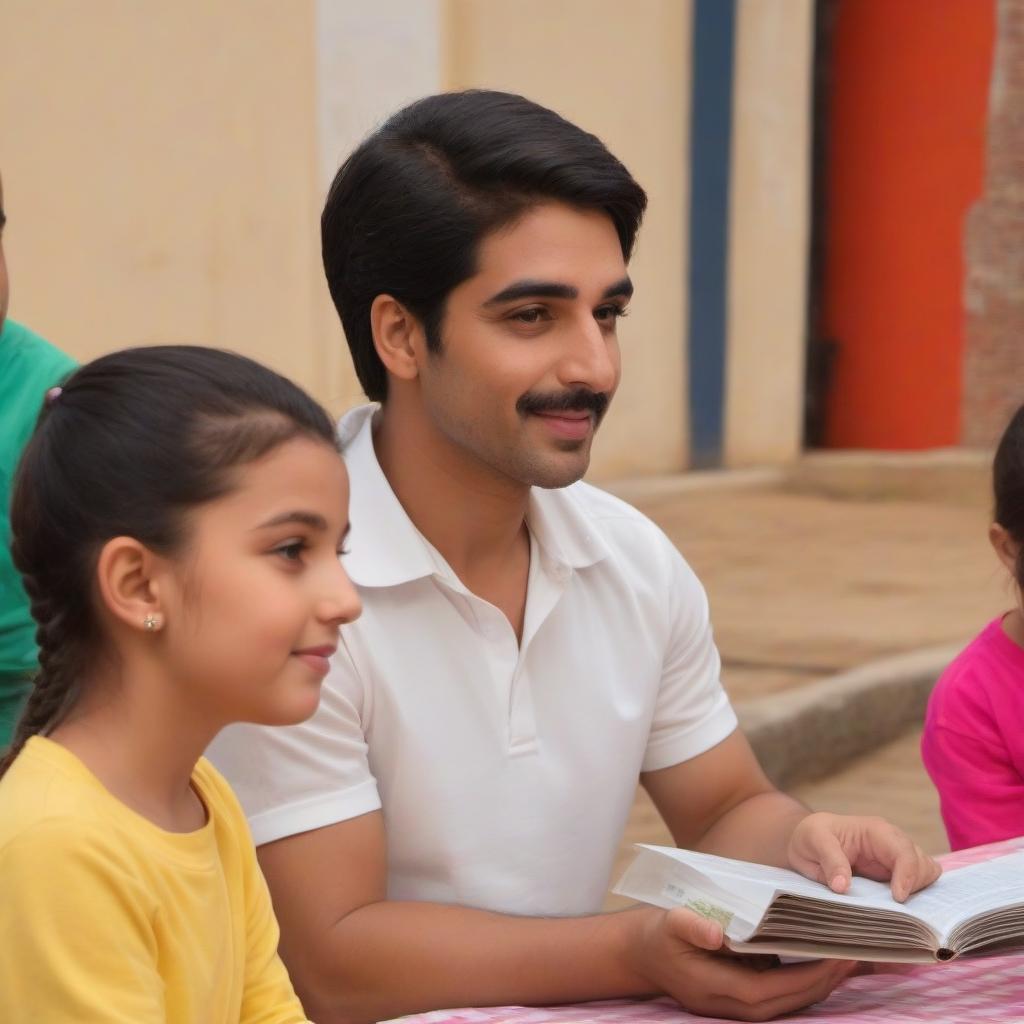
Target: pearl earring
[{"x": 151, "y": 622}]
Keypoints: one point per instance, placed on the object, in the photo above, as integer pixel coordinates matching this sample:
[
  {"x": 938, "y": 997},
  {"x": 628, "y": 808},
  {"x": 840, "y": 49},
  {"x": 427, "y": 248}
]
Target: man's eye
[
  {"x": 609, "y": 313},
  {"x": 530, "y": 316}
]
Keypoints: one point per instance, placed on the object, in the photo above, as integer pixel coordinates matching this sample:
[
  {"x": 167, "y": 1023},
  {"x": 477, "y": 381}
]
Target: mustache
[{"x": 576, "y": 400}]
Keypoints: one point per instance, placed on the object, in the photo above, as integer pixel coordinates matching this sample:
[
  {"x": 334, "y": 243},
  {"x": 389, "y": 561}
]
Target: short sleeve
[
  {"x": 268, "y": 996},
  {"x": 297, "y": 778},
  {"x": 981, "y": 793},
  {"x": 76, "y": 930},
  {"x": 267, "y": 993},
  {"x": 692, "y": 712}
]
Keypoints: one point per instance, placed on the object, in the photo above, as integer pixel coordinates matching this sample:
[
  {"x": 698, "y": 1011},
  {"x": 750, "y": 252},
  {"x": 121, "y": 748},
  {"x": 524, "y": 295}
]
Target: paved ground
[{"x": 802, "y": 586}]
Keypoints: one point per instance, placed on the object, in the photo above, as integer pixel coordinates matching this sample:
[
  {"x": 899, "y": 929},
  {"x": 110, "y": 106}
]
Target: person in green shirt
[{"x": 28, "y": 367}]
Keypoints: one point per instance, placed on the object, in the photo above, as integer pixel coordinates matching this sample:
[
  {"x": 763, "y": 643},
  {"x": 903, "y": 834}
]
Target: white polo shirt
[{"x": 505, "y": 770}]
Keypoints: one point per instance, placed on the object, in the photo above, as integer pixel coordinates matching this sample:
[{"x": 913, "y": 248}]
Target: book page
[
  {"x": 668, "y": 882},
  {"x": 955, "y": 897},
  {"x": 810, "y": 950},
  {"x": 741, "y": 896},
  {"x": 970, "y": 891},
  {"x": 759, "y": 884}
]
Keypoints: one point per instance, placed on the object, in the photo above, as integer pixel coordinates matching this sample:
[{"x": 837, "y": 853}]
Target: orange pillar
[{"x": 905, "y": 149}]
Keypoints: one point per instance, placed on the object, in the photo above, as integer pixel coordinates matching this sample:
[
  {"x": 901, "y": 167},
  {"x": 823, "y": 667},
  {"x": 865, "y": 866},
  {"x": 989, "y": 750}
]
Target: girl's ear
[
  {"x": 126, "y": 575},
  {"x": 1006, "y": 548},
  {"x": 397, "y": 335}
]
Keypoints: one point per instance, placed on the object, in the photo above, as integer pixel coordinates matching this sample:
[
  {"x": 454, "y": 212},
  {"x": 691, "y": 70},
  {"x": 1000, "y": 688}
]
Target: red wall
[{"x": 906, "y": 130}]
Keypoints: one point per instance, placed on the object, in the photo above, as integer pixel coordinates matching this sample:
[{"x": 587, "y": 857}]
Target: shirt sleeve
[
  {"x": 297, "y": 778},
  {"x": 267, "y": 995},
  {"x": 692, "y": 713},
  {"x": 981, "y": 793},
  {"x": 76, "y": 931}
]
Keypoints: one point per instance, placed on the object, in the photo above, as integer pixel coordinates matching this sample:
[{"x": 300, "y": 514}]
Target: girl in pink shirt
[{"x": 973, "y": 744}]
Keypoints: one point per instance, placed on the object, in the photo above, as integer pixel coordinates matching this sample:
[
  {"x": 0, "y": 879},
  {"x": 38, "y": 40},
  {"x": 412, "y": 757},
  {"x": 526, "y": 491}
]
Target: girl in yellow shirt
[{"x": 177, "y": 518}]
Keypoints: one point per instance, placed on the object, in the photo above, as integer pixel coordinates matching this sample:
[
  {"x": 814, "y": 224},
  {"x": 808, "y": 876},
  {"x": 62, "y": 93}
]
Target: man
[
  {"x": 28, "y": 366},
  {"x": 442, "y": 831}
]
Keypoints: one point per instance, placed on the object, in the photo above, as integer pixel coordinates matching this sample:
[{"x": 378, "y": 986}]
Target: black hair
[
  {"x": 1008, "y": 484},
  {"x": 133, "y": 441},
  {"x": 407, "y": 210}
]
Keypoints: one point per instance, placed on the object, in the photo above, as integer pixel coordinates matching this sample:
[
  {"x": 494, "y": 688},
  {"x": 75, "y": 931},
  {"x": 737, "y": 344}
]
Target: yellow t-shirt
[{"x": 106, "y": 917}]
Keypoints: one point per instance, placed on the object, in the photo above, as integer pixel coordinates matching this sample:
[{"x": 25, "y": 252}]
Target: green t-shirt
[{"x": 28, "y": 366}]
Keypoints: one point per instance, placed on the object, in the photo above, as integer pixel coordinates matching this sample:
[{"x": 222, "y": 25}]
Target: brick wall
[{"x": 994, "y": 239}]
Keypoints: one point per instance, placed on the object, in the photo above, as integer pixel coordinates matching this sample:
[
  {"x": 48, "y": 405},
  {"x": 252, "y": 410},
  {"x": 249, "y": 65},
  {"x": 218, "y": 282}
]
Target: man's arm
[
  {"x": 721, "y": 802},
  {"x": 355, "y": 956}
]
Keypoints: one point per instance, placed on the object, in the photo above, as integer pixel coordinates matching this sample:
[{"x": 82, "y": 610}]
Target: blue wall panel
[{"x": 714, "y": 30}]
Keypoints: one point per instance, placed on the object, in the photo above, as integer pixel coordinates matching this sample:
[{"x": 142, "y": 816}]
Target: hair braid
[{"x": 55, "y": 685}]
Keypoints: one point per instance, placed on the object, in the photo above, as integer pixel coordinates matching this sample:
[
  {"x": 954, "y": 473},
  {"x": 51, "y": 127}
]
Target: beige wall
[
  {"x": 165, "y": 166},
  {"x": 372, "y": 59},
  {"x": 160, "y": 175},
  {"x": 619, "y": 70},
  {"x": 768, "y": 232}
]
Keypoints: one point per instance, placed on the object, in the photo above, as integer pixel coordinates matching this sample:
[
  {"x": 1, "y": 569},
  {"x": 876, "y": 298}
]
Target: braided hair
[
  {"x": 1008, "y": 484},
  {"x": 130, "y": 444}
]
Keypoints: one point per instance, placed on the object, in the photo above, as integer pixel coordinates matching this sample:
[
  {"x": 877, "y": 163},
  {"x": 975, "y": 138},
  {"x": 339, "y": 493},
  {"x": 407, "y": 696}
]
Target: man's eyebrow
[
  {"x": 623, "y": 288},
  {"x": 311, "y": 519},
  {"x": 533, "y": 290},
  {"x": 3, "y": 217}
]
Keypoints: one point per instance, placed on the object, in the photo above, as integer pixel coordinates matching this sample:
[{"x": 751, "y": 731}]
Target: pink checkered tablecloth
[
  {"x": 981, "y": 991},
  {"x": 986, "y": 991}
]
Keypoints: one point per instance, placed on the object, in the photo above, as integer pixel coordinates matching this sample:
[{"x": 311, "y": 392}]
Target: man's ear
[
  {"x": 126, "y": 577},
  {"x": 397, "y": 336},
  {"x": 1006, "y": 548}
]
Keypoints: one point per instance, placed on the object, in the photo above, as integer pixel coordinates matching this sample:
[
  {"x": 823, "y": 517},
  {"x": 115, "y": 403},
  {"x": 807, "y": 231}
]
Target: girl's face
[{"x": 252, "y": 607}]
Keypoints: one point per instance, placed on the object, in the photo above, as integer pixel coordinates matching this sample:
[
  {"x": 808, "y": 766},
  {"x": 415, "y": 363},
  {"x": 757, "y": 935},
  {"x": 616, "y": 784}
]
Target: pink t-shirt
[{"x": 973, "y": 743}]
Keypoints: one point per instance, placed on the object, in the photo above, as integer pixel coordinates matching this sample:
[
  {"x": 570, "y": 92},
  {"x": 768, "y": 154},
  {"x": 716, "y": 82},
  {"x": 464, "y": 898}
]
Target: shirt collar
[
  {"x": 388, "y": 550},
  {"x": 562, "y": 528}
]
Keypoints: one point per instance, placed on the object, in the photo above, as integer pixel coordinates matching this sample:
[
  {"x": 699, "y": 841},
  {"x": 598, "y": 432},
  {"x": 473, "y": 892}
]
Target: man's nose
[{"x": 591, "y": 359}]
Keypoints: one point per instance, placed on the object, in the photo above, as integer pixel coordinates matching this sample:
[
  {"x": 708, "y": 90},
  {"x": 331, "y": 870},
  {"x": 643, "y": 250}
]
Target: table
[
  {"x": 982, "y": 991},
  {"x": 987, "y": 990}
]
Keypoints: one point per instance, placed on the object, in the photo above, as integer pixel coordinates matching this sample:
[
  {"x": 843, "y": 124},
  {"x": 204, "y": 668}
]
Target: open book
[{"x": 975, "y": 907}]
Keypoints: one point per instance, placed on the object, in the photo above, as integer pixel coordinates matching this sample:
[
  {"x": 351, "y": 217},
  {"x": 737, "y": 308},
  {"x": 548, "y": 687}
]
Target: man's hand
[
  {"x": 831, "y": 848},
  {"x": 680, "y": 953}
]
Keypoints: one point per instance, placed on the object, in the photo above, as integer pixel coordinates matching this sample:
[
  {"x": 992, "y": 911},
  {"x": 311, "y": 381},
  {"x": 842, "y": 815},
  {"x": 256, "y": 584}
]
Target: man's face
[
  {"x": 529, "y": 356},
  {"x": 4, "y": 285}
]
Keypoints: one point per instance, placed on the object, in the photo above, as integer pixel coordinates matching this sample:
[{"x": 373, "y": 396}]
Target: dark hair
[
  {"x": 1008, "y": 484},
  {"x": 133, "y": 441},
  {"x": 408, "y": 209}
]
